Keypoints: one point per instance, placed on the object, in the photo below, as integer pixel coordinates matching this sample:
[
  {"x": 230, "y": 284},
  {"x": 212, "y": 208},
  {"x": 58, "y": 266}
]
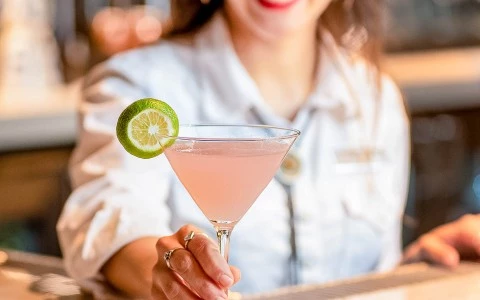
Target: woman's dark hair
[{"x": 190, "y": 15}]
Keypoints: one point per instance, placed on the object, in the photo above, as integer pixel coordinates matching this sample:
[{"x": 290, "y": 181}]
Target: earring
[{"x": 356, "y": 35}]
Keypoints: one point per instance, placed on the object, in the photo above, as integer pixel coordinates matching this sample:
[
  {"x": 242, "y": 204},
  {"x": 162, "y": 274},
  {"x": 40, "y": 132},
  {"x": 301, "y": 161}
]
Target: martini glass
[{"x": 225, "y": 168}]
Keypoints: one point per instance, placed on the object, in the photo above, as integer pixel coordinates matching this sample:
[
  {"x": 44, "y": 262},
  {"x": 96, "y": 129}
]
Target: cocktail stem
[{"x": 223, "y": 236}]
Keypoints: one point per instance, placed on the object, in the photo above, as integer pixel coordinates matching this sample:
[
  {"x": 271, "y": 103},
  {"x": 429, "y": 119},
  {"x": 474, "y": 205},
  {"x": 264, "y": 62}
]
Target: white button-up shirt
[{"x": 348, "y": 199}]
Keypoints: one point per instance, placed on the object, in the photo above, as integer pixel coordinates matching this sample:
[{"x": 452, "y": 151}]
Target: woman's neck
[{"x": 284, "y": 69}]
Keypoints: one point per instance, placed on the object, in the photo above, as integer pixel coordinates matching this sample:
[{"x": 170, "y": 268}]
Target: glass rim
[{"x": 292, "y": 133}]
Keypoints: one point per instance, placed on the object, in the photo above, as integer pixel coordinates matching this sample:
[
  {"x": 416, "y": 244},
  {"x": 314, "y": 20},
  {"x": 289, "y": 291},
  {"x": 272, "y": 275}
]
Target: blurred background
[{"x": 47, "y": 46}]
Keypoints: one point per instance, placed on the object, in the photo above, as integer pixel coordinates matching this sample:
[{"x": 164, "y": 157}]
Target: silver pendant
[{"x": 290, "y": 169}]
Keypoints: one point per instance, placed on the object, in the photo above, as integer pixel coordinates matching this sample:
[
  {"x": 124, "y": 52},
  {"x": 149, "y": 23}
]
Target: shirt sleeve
[
  {"x": 116, "y": 197},
  {"x": 392, "y": 183}
]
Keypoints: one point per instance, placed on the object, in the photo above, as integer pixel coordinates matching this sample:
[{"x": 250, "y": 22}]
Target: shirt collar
[{"x": 227, "y": 75}]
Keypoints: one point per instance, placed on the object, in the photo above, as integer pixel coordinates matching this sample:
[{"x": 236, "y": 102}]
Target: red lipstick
[{"x": 276, "y": 5}]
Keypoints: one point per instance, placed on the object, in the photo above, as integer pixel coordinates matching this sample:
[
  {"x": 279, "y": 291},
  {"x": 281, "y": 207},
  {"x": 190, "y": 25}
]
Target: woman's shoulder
[
  {"x": 170, "y": 55},
  {"x": 160, "y": 70},
  {"x": 163, "y": 71}
]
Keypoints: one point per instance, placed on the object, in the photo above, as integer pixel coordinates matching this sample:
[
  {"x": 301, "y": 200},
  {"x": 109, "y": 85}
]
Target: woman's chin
[{"x": 279, "y": 30}]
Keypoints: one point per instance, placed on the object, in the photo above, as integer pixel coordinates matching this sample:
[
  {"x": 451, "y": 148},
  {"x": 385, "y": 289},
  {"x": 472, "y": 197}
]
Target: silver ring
[
  {"x": 190, "y": 237},
  {"x": 168, "y": 255}
]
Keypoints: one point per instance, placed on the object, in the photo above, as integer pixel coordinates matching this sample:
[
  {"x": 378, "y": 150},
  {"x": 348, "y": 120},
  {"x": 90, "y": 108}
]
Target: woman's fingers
[
  {"x": 206, "y": 253},
  {"x": 467, "y": 236},
  {"x": 432, "y": 249},
  {"x": 448, "y": 243},
  {"x": 167, "y": 285},
  {"x": 187, "y": 273},
  {"x": 185, "y": 264}
]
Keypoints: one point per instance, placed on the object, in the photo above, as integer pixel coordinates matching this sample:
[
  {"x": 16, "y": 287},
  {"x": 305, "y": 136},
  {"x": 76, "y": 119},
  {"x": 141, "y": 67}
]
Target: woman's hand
[
  {"x": 447, "y": 244},
  {"x": 199, "y": 272}
]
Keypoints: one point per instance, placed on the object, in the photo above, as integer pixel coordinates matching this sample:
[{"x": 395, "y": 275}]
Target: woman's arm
[
  {"x": 135, "y": 260},
  {"x": 117, "y": 199},
  {"x": 118, "y": 206}
]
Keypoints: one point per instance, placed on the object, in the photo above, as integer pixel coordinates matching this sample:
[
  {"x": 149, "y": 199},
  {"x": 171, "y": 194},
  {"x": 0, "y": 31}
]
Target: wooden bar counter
[{"x": 27, "y": 276}]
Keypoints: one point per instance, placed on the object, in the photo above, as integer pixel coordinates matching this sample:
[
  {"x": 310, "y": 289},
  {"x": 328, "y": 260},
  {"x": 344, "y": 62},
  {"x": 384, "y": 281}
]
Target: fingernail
[
  {"x": 451, "y": 260},
  {"x": 225, "y": 280},
  {"x": 221, "y": 298}
]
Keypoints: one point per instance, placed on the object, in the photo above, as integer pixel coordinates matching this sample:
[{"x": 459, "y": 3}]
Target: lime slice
[{"x": 146, "y": 127}]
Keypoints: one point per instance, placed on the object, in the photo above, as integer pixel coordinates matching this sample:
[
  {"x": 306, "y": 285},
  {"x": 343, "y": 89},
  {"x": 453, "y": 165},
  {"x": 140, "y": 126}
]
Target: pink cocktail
[{"x": 226, "y": 167}]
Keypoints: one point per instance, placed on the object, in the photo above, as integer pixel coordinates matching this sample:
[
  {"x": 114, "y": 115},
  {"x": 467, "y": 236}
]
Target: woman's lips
[{"x": 276, "y": 4}]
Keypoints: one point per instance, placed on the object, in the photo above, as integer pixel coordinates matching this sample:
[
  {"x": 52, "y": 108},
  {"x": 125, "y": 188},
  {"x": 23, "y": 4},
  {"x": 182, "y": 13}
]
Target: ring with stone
[{"x": 168, "y": 255}]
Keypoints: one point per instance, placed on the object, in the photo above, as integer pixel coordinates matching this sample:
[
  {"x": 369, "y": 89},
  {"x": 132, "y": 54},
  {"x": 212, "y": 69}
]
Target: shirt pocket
[{"x": 357, "y": 172}]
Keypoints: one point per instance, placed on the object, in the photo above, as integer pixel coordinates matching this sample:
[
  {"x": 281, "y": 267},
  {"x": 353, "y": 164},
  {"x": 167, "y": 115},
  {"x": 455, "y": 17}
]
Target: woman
[{"x": 297, "y": 63}]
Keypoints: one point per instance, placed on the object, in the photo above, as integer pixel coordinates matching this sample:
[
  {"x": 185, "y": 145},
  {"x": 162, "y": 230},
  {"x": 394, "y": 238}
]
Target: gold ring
[{"x": 190, "y": 237}]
